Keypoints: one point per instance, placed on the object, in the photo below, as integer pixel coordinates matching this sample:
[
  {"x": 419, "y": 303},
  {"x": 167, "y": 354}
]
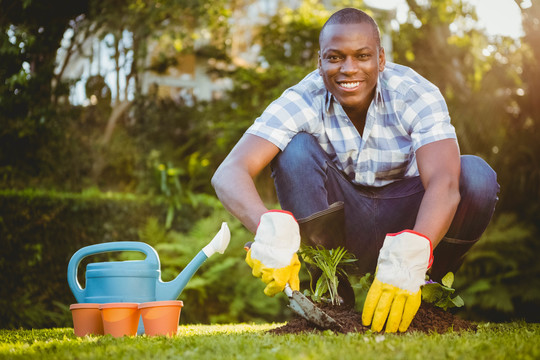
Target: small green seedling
[
  {"x": 440, "y": 294},
  {"x": 332, "y": 263}
]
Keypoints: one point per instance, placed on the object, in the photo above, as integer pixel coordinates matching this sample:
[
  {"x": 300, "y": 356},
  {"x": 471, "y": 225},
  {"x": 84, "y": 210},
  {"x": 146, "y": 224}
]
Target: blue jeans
[{"x": 307, "y": 181}]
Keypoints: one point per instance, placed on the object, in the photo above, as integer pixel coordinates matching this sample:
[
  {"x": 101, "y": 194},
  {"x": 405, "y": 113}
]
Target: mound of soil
[{"x": 428, "y": 319}]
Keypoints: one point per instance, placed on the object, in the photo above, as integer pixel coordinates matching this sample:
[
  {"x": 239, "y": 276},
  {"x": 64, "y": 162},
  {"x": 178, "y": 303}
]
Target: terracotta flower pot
[
  {"x": 86, "y": 319},
  {"x": 120, "y": 319},
  {"x": 161, "y": 317}
]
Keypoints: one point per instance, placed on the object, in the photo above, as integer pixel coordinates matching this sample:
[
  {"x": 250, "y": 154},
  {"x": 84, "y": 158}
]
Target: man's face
[{"x": 349, "y": 62}]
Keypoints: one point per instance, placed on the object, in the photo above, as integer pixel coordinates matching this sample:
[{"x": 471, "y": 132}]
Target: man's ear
[{"x": 382, "y": 59}]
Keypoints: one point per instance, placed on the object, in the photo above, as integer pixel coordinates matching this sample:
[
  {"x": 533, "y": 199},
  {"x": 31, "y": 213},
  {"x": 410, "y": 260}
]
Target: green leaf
[
  {"x": 331, "y": 263},
  {"x": 431, "y": 293},
  {"x": 442, "y": 303},
  {"x": 448, "y": 279},
  {"x": 458, "y": 301},
  {"x": 440, "y": 295}
]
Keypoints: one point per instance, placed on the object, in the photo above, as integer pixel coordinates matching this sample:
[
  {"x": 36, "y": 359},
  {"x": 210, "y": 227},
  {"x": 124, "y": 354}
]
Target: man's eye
[
  {"x": 333, "y": 57},
  {"x": 364, "y": 56}
]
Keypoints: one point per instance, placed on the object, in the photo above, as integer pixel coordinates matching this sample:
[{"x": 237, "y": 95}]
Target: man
[{"x": 376, "y": 136}]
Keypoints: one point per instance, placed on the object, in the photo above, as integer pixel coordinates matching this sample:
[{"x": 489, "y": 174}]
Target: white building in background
[
  {"x": 91, "y": 57},
  {"x": 190, "y": 77}
]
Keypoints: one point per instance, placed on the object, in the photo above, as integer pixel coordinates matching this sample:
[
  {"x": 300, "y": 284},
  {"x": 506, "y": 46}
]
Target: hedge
[{"x": 40, "y": 231}]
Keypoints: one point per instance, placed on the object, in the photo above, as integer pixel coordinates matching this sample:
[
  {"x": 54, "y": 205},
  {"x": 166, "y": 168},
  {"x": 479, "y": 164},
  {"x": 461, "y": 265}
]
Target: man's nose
[{"x": 349, "y": 66}]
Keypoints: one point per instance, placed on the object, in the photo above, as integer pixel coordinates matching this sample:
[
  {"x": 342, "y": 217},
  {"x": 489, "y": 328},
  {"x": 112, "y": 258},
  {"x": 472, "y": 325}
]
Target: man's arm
[
  {"x": 439, "y": 167},
  {"x": 233, "y": 180}
]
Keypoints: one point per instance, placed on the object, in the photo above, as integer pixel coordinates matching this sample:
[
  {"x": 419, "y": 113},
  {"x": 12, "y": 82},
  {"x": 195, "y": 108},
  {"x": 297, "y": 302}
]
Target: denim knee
[
  {"x": 298, "y": 152},
  {"x": 478, "y": 181},
  {"x": 479, "y": 190}
]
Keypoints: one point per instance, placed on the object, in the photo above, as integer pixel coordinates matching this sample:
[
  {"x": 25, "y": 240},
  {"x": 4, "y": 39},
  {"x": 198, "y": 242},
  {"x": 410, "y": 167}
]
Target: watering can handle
[{"x": 151, "y": 257}]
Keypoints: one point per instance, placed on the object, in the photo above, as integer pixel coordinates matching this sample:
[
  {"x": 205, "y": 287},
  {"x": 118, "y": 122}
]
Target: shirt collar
[
  {"x": 378, "y": 98},
  {"x": 328, "y": 100}
]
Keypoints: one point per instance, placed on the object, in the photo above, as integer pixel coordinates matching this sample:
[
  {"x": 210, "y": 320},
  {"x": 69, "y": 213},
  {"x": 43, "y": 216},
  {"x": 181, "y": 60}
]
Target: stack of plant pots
[{"x": 160, "y": 318}]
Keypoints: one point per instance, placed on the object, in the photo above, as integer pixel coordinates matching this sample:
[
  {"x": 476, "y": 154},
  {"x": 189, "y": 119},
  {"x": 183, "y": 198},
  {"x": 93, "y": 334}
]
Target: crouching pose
[{"x": 365, "y": 146}]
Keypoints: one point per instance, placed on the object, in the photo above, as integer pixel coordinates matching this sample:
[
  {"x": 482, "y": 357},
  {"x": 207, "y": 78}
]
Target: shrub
[
  {"x": 40, "y": 231},
  {"x": 500, "y": 278}
]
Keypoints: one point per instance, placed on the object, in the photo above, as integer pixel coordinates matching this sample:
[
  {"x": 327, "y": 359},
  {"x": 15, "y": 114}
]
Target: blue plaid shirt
[{"x": 407, "y": 112}]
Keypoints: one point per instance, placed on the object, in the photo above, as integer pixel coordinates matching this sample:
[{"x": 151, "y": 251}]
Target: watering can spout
[{"x": 172, "y": 289}]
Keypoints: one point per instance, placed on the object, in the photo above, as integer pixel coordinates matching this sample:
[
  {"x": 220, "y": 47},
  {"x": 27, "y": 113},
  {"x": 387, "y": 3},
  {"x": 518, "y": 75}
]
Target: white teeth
[{"x": 350, "y": 85}]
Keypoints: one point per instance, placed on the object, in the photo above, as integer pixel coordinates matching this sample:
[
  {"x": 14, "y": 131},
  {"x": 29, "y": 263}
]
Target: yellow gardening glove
[
  {"x": 395, "y": 295},
  {"x": 276, "y": 279},
  {"x": 272, "y": 255}
]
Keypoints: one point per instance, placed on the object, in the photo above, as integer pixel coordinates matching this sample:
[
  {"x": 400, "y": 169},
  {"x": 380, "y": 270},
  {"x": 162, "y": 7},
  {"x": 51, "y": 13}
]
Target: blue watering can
[{"x": 135, "y": 281}]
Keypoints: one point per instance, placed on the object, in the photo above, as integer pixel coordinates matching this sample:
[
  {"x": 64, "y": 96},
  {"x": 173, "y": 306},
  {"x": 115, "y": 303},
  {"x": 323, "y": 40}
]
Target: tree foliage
[
  {"x": 30, "y": 34},
  {"x": 490, "y": 84},
  {"x": 521, "y": 164}
]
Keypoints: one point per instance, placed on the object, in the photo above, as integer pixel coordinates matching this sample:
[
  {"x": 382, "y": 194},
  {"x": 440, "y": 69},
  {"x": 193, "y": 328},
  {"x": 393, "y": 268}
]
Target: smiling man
[{"x": 377, "y": 138}]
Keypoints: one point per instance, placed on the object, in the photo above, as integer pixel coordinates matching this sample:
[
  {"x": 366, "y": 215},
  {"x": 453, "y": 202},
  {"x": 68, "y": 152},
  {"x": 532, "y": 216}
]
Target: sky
[
  {"x": 502, "y": 17},
  {"x": 498, "y": 17}
]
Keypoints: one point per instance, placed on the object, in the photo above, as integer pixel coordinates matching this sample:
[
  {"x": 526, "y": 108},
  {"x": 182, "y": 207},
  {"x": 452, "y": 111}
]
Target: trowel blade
[
  {"x": 305, "y": 308},
  {"x": 309, "y": 311}
]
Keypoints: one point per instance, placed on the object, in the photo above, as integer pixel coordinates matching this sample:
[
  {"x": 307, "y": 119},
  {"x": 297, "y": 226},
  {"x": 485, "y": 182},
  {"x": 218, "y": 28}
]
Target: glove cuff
[
  {"x": 403, "y": 260},
  {"x": 276, "y": 211},
  {"x": 422, "y": 235},
  {"x": 277, "y": 239}
]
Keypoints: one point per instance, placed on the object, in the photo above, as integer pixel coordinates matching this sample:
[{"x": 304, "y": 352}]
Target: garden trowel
[
  {"x": 309, "y": 311},
  {"x": 304, "y": 307}
]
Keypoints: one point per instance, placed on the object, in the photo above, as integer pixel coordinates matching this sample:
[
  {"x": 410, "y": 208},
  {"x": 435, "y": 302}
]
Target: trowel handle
[
  {"x": 151, "y": 257},
  {"x": 247, "y": 245},
  {"x": 288, "y": 291}
]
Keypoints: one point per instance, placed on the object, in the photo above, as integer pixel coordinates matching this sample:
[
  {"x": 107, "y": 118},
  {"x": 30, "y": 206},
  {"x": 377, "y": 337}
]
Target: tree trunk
[{"x": 119, "y": 108}]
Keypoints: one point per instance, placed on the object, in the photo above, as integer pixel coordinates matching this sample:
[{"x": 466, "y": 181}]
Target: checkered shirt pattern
[{"x": 407, "y": 112}]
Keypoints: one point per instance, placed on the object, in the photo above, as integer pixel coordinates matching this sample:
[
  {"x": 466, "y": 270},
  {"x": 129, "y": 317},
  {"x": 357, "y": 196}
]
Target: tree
[
  {"x": 35, "y": 123},
  {"x": 30, "y": 34}
]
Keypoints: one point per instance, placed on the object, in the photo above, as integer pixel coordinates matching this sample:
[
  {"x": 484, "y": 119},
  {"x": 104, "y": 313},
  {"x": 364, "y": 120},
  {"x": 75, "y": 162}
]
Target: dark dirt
[{"x": 428, "y": 319}]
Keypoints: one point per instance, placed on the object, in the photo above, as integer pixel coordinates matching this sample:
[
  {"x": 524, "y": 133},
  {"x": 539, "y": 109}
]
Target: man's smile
[{"x": 349, "y": 85}]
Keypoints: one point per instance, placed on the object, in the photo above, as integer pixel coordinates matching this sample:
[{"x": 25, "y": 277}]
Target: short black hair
[{"x": 352, "y": 16}]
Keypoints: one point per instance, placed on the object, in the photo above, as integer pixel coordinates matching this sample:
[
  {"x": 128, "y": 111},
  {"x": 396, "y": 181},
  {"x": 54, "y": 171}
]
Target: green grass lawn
[{"x": 515, "y": 340}]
